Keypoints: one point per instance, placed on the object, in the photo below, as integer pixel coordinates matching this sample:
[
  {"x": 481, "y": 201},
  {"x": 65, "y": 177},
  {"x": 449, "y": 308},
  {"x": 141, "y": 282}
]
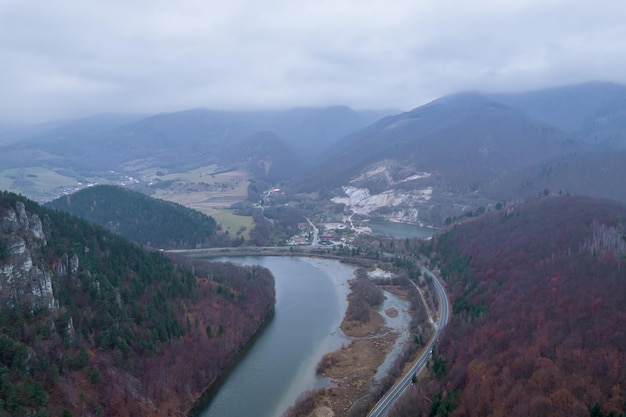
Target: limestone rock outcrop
[{"x": 23, "y": 279}]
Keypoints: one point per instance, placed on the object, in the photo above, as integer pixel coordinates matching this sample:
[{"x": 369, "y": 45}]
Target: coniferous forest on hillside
[
  {"x": 128, "y": 332},
  {"x": 148, "y": 221}
]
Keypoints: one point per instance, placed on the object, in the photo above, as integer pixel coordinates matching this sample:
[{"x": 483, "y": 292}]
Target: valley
[
  {"x": 506, "y": 197},
  {"x": 312, "y": 209},
  {"x": 438, "y": 162}
]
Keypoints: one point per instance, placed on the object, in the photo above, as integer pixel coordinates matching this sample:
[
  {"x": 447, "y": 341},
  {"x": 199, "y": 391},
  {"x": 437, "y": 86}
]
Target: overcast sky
[{"x": 67, "y": 58}]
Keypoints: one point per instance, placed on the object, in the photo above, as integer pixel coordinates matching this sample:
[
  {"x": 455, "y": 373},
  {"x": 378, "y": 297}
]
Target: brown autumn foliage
[
  {"x": 232, "y": 301},
  {"x": 539, "y": 296},
  {"x": 364, "y": 295},
  {"x": 130, "y": 332}
]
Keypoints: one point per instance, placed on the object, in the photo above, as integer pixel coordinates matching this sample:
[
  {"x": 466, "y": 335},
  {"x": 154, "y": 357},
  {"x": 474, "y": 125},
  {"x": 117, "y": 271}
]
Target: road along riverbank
[
  {"x": 364, "y": 368},
  {"x": 351, "y": 360}
]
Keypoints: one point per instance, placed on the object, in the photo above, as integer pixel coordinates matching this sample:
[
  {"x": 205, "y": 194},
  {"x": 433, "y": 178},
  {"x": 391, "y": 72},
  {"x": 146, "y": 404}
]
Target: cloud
[{"x": 65, "y": 58}]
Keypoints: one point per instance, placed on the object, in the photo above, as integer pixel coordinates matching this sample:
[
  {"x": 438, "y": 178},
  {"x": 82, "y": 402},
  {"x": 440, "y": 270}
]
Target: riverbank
[
  {"x": 280, "y": 366},
  {"x": 359, "y": 350},
  {"x": 209, "y": 391},
  {"x": 353, "y": 368}
]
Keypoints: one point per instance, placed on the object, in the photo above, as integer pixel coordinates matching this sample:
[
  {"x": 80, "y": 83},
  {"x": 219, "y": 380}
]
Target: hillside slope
[
  {"x": 595, "y": 174},
  {"x": 466, "y": 138},
  {"x": 142, "y": 219},
  {"x": 539, "y": 303},
  {"x": 92, "y": 324},
  {"x": 311, "y": 131},
  {"x": 430, "y": 163}
]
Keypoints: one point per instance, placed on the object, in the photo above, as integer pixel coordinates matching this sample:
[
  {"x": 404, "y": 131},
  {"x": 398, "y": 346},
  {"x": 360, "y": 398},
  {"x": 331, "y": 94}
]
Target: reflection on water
[
  {"x": 310, "y": 303},
  {"x": 311, "y": 299}
]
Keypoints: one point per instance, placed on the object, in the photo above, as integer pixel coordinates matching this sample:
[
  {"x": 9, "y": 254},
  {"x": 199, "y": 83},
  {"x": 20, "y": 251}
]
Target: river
[
  {"x": 400, "y": 324},
  {"x": 310, "y": 304}
]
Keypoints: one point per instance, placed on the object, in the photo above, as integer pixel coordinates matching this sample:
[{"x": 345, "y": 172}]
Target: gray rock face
[
  {"x": 23, "y": 279},
  {"x": 37, "y": 228},
  {"x": 15, "y": 245},
  {"x": 68, "y": 267},
  {"x": 22, "y": 217},
  {"x": 22, "y": 282},
  {"x": 73, "y": 264},
  {"x": 14, "y": 221},
  {"x": 9, "y": 222},
  {"x": 61, "y": 268}
]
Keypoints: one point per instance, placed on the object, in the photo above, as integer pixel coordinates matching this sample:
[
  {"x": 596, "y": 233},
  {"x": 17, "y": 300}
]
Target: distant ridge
[
  {"x": 596, "y": 174},
  {"x": 439, "y": 161},
  {"x": 182, "y": 139},
  {"x": 594, "y": 111}
]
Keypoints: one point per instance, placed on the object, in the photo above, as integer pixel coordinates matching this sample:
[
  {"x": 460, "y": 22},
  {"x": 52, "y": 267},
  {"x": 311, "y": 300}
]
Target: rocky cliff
[{"x": 23, "y": 277}]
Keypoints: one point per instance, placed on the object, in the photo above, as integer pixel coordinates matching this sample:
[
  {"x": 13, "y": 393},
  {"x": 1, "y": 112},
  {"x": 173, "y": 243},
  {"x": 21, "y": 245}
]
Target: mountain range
[
  {"x": 466, "y": 138},
  {"x": 438, "y": 161},
  {"x": 595, "y": 112},
  {"x": 471, "y": 150},
  {"x": 536, "y": 282},
  {"x": 186, "y": 137}
]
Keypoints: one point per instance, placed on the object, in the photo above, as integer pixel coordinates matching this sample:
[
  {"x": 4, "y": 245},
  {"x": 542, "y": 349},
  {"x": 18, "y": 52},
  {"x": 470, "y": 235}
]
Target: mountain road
[{"x": 386, "y": 403}]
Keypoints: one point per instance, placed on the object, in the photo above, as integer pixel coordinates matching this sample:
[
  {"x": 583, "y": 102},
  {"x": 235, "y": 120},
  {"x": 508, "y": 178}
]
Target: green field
[
  {"x": 209, "y": 174},
  {"x": 232, "y": 188},
  {"x": 35, "y": 182},
  {"x": 234, "y": 222},
  {"x": 205, "y": 201},
  {"x": 216, "y": 207}
]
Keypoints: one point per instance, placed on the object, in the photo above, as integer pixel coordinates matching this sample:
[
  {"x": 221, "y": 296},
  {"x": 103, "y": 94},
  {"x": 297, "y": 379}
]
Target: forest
[
  {"x": 130, "y": 332},
  {"x": 142, "y": 219},
  {"x": 539, "y": 306}
]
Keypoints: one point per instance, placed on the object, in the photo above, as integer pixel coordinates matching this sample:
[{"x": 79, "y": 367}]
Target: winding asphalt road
[{"x": 385, "y": 404}]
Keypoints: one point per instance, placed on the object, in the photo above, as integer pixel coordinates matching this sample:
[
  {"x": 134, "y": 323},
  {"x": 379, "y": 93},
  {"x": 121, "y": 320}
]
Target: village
[{"x": 332, "y": 234}]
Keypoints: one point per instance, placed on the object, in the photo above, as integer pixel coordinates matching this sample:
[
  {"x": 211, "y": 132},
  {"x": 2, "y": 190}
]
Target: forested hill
[
  {"x": 142, "y": 219},
  {"x": 539, "y": 296},
  {"x": 92, "y": 324}
]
